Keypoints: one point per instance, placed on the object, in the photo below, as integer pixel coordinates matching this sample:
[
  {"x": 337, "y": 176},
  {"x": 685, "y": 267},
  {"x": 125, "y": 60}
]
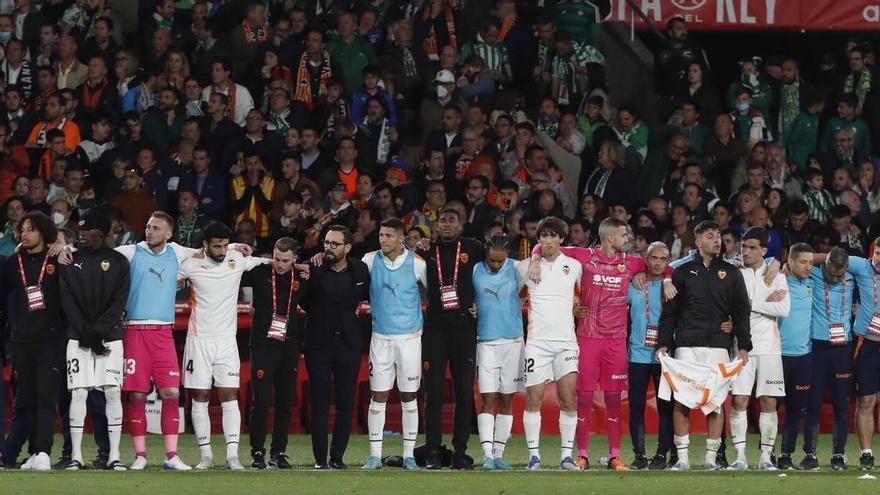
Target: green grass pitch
[{"x": 303, "y": 480}]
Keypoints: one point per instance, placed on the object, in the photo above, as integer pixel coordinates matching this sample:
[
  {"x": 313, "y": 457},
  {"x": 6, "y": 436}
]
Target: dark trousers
[
  {"x": 639, "y": 375},
  {"x": 96, "y": 405},
  {"x": 832, "y": 366},
  {"x": 333, "y": 369},
  {"x": 2, "y": 412},
  {"x": 39, "y": 374},
  {"x": 798, "y": 373},
  {"x": 273, "y": 378},
  {"x": 453, "y": 341}
]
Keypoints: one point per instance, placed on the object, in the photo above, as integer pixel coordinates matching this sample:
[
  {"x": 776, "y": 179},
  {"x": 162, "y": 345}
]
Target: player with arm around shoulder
[
  {"x": 94, "y": 289},
  {"x": 551, "y": 351},
  {"x": 498, "y": 307},
  {"x": 211, "y": 356},
  {"x": 396, "y": 343}
]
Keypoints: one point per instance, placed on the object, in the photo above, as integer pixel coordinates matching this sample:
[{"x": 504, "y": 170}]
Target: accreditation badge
[
  {"x": 35, "y": 299},
  {"x": 277, "y": 328},
  {"x": 836, "y": 334},
  {"x": 449, "y": 297}
]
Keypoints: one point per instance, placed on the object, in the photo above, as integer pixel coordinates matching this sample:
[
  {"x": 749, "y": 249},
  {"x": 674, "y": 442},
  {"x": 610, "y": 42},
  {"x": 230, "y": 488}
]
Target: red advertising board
[{"x": 813, "y": 15}]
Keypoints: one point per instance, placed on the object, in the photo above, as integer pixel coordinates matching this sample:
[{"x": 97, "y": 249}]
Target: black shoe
[
  {"x": 838, "y": 462},
  {"x": 639, "y": 463},
  {"x": 100, "y": 462},
  {"x": 433, "y": 461},
  {"x": 810, "y": 463},
  {"x": 721, "y": 460},
  {"x": 658, "y": 463},
  {"x": 461, "y": 462},
  {"x": 74, "y": 466},
  {"x": 338, "y": 464},
  {"x": 279, "y": 461},
  {"x": 259, "y": 458},
  {"x": 63, "y": 462},
  {"x": 784, "y": 462},
  {"x": 866, "y": 461},
  {"x": 320, "y": 466},
  {"x": 673, "y": 458}
]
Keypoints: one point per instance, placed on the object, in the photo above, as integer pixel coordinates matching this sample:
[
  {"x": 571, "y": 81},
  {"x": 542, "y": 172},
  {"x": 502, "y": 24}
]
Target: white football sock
[
  {"x": 410, "y": 424},
  {"x": 503, "y": 424},
  {"x": 376, "y": 427},
  {"x": 532, "y": 427},
  {"x": 486, "y": 429},
  {"x": 231, "y": 427},
  {"x": 681, "y": 448},
  {"x": 712, "y": 447},
  {"x": 768, "y": 425},
  {"x": 202, "y": 427},
  {"x": 567, "y": 424},
  {"x": 77, "y": 414},
  {"x": 738, "y": 427},
  {"x": 113, "y": 410}
]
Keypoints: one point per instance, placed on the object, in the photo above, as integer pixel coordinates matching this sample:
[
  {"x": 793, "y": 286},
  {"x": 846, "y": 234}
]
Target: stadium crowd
[{"x": 485, "y": 137}]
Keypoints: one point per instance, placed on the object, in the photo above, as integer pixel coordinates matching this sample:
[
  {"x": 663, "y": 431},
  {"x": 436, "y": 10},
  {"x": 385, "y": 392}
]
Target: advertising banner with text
[{"x": 810, "y": 15}]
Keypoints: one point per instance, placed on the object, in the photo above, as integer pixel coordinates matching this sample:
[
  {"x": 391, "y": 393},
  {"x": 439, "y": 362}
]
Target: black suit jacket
[{"x": 331, "y": 300}]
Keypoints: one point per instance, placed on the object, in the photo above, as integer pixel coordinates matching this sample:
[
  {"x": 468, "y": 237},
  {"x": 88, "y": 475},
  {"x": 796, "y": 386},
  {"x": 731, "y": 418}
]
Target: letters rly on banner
[{"x": 813, "y": 15}]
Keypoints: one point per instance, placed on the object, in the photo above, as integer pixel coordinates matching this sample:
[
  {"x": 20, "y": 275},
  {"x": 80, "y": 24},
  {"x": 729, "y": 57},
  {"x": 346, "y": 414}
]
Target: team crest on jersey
[
  {"x": 463, "y": 258},
  {"x": 621, "y": 267},
  {"x": 260, "y": 373},
  {"x": 426, "y": 365},
  {"x": 296, "y": 285},
  {"x": 722, "y": 274},
  {"x": 105, "y": 265},
  {"x": 566, "y": 269},
  {"x": 232, "y": 264},
  {"x": 50, "y": 268}
]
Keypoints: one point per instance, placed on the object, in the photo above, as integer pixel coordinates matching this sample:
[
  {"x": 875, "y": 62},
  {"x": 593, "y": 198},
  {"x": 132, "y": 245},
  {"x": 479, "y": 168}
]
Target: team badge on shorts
[
  {"x": 105, "y": 265},
  {"x": 463, "y": 258},
  {"x": 232, "y": 264},
  {"x": 722, "y": 274},
  {"x": 50, "y": 268},
  {"x": 621, "y": 267},
  {"x": 566, "y": 269}
]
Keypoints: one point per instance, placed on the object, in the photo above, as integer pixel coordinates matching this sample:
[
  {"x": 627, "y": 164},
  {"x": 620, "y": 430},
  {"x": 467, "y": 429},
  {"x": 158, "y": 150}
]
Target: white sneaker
[
  {"x": 765, "y": 465},
  {"x": 738, "y": 465},
  {"x": 680, "y": 466},
  {"x": 710, "y": 466},
  {"x": 205, "y": 464},
  {"x": 28, "y": 464},
  {"x": 139, "y": 464},
  {"x": 42, "y": 462},
  {"x": 234, "y": 464},
  {"x": 175, "y": 464}
]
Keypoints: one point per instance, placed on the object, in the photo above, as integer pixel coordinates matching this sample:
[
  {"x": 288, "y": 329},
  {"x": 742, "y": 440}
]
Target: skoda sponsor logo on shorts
[
  {"x": 412, "y": 378},
  {"x": 618, "y": 377}
]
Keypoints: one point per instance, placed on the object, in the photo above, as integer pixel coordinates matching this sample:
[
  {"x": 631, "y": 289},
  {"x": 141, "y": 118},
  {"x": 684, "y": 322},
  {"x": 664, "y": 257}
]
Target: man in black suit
[
  {"x": 482, "y": 215},
  {"x": 333, "y": 341}
]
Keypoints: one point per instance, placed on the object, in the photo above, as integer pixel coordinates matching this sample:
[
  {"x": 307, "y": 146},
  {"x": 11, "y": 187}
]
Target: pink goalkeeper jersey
[{"x": 604, "y": 285}]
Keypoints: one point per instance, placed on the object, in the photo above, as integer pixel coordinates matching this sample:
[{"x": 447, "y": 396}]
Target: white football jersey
[
  {"x": 551, "y": 302},
  {"x": 214, "y": 292}
]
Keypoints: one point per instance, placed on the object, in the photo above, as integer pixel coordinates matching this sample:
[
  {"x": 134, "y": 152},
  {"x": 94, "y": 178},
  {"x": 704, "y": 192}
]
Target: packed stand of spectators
[{"x": 285, "y": 117}]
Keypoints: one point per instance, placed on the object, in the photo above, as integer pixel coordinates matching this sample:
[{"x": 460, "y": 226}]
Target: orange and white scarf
[
  {"x": 697, "y": 385},
  {"x": 430, "y": 45},
  {"x": 303, "y": 91},
  {"x": 505, "y": 28}
]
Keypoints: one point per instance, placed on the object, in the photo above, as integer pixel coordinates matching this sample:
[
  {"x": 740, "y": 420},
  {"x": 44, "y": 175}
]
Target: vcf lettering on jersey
[{"x": 607, "y": 281}]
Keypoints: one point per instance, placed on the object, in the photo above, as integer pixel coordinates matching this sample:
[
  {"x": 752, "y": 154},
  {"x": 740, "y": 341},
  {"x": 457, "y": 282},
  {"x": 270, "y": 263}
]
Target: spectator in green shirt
[
  {"x": 803, "y": 135},
  {"x": 351, "y": 51},
  {"x": 846, "y": 118}
]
